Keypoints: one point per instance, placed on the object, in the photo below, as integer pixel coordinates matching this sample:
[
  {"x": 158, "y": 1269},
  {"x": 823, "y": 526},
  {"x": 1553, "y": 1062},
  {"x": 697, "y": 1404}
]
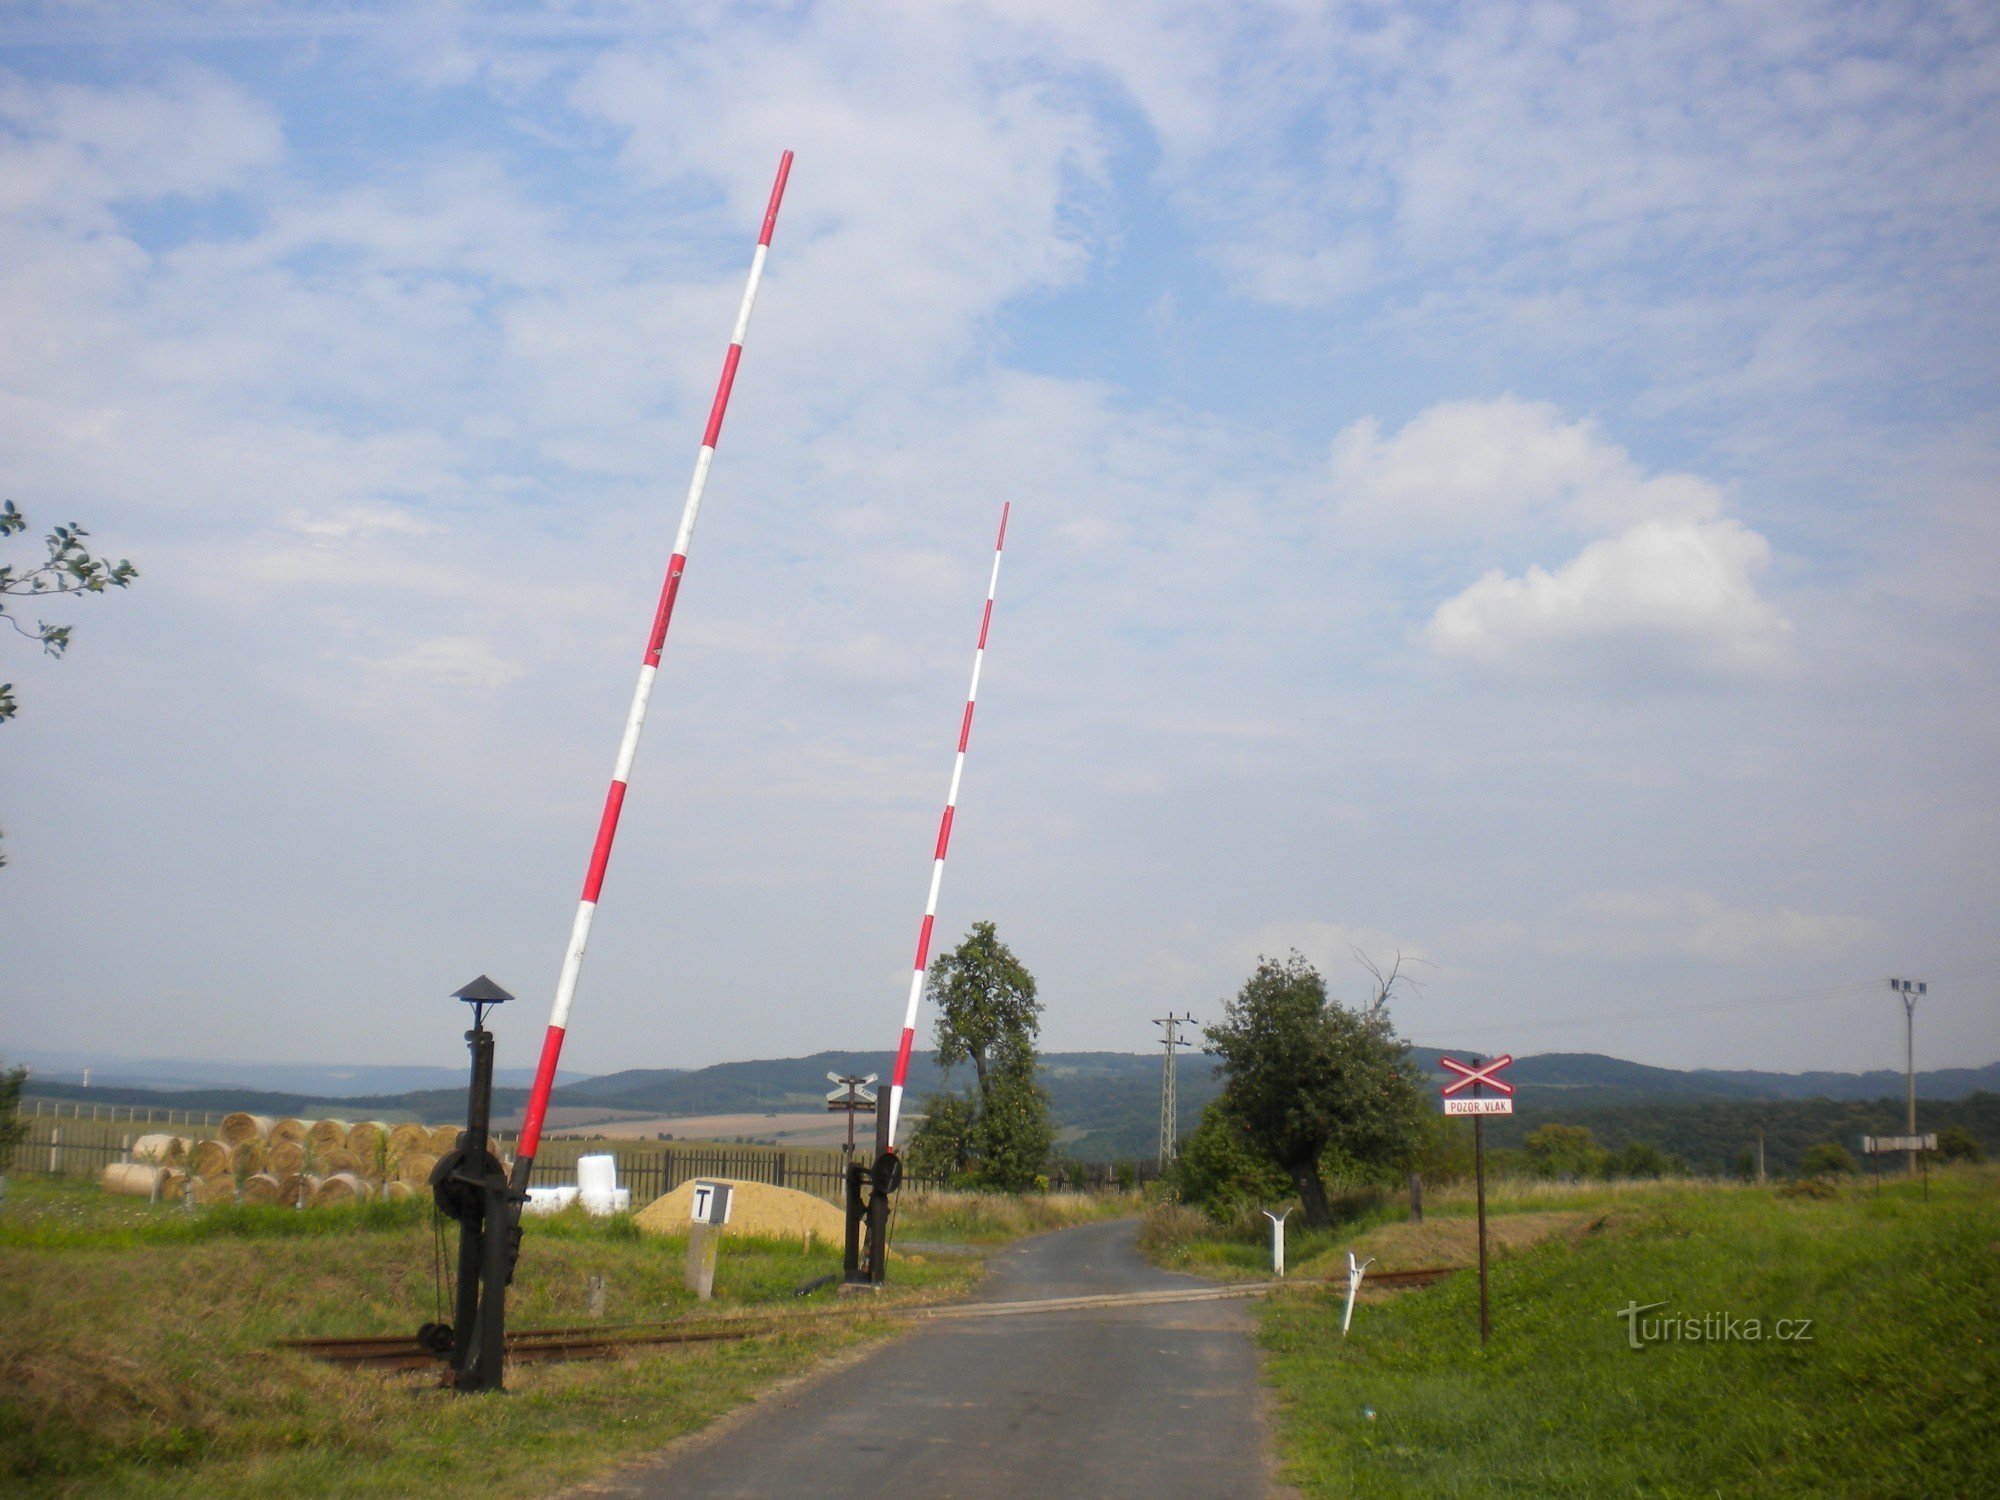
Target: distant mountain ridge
[{"x": 1106, "y": 1104}]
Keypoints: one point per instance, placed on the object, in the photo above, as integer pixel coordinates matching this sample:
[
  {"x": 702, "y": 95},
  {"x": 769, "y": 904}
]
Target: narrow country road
[{"x": 1145, "y": 1401}]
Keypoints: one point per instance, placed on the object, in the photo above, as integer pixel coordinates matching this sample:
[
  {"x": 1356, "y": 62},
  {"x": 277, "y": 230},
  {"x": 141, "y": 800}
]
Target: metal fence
[
  {"x": 66, "y": 1140},
  {"x": 136, "y": 1114}
]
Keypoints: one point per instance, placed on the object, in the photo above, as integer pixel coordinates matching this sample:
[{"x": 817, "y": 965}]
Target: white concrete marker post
[
  {"x": 708, "y": 1211},
  {"x": 1354, "y": 1275},
  {"x": 1277, "y": 1241}
]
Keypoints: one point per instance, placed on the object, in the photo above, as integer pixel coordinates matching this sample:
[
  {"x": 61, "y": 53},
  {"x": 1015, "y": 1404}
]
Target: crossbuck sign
[{"x": 1476, "y": 1076}]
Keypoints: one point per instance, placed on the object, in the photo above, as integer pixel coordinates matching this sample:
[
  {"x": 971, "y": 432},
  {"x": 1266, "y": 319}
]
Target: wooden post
[
  {"x": 1416, "y": 1197},
  {"x": 701, "y": 1259}
]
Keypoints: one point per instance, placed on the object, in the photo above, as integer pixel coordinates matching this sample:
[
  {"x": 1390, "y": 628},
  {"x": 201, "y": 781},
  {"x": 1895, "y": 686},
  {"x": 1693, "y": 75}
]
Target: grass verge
[
  {"x": 1892, "y": 1388},
  {"x": 136, "y": 1349}
]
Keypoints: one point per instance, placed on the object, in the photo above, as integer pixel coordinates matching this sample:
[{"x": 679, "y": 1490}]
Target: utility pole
[
  {"x": 1169, "y": 1102},
  {"x": 1909, "y": 989}
]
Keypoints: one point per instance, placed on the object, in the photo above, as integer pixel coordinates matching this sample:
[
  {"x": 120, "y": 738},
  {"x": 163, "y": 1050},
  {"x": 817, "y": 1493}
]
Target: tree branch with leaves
[{"x": 68, "y": 568}]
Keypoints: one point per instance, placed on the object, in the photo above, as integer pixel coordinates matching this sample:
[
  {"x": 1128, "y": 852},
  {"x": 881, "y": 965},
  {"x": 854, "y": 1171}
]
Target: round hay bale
[
  {"x": 132, "y": 1179},
  {"x": 407, "y": 1137},
  {"x": 173, "y": 1184},
  {"x": 755, "y": 1208},
  {"x": 367, "y": 1138},
  {"x": 247, "y": 1159},
  {"x": 284, "y": 1158},
  {"x": 444, "y": 1138},
  {"x": 397, "y": 1192},
  {"x": 413, "y": 1168},
  {"x": 239, "y": 1127},
  {"x": 208, "y": 1159},
  {"x": 327, "y": 1135},
  {"x": 261, "y": 1187},
  {"x": 289, "y": 1130},
  {"x": 217, "y": 1189},
  {"x": 160, "y": 1150},
  {"x": 341, "y": 1187},
  {"x": 339, "y": 1159}
]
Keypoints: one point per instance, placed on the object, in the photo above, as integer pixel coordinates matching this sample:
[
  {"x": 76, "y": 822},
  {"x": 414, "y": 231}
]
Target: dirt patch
[
  {"x": 1455, "y": 1241},
  {"x": 756, "y": 1208}
]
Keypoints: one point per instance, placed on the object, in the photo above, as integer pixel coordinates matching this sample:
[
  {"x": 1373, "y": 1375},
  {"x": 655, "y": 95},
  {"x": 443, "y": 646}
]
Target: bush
[
  {"x": 1639, "y": 1159},
  {"x": 1827, "y": 1159},
  {"x": 1220, "y": 1172},
  {"x": 1568, "y": 1152},
  {"x": 1956, "y": 1143}
]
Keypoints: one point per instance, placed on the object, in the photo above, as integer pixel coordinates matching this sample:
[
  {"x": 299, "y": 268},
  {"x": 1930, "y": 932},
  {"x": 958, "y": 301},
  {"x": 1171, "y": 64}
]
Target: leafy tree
[
  {"x": 1220, "y": 1170},
  {"x": 69, "y": 568},
  {"x": 1643, "y": 1159},
  {"x": 987, "y": 1014},
  {"x": 13, "y": 1129},
  {"x": 1827, "y": 1159},
  {"x": 942, "y": 1145},
  {"x": 1956, "y": 1143},
  {"x": 1563, "y": 1151},
  {"x": 1305, "y": 1074}
]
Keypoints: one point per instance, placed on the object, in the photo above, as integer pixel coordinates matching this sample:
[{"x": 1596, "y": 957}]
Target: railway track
[{"x": 597, "y": 1341}]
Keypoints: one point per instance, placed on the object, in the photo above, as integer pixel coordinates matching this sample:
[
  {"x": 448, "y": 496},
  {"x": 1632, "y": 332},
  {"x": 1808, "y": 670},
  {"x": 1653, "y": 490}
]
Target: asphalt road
[{"x": 1144, "y": 1401}]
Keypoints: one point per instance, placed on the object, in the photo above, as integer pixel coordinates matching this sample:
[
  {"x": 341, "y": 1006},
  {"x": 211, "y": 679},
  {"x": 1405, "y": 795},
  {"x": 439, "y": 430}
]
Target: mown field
[
  {"x": 1892, "y": 1388},
  {"x": 136, "y": 1343}
]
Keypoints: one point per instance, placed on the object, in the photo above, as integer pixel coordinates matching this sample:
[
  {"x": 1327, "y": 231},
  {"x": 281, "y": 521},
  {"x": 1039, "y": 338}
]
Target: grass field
[
  {"x": 1890, "y": 1388},
  {"x": 136, "y": 1358}
]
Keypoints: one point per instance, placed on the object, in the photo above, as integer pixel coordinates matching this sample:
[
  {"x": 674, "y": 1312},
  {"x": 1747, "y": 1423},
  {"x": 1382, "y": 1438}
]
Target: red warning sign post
[{"x": 1478, "y": 1076}]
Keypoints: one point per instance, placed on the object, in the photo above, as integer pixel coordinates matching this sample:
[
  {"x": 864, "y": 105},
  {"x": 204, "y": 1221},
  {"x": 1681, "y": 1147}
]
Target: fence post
[{"x": 55, "y": 1150}]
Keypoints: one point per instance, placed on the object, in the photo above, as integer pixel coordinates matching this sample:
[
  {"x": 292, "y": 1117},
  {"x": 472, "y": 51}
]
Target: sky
[{"x": 1513, "y": 486}]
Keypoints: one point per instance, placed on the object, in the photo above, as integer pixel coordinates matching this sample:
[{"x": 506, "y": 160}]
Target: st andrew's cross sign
[{"x": 1477, "y": 1075}]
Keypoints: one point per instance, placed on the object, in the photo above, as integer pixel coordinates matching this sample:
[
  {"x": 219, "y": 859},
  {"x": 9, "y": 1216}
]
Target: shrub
[
  {"x": 1827, "y": 1159},
  {"x": 1956, "y": 1143}
]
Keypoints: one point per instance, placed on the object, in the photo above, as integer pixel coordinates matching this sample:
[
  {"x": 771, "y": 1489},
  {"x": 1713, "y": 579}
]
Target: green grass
[
  {"x": 136, "y": 1349},
  {"x": 969, "y": 1218},
  {"x": 1896, "y": 1392}
]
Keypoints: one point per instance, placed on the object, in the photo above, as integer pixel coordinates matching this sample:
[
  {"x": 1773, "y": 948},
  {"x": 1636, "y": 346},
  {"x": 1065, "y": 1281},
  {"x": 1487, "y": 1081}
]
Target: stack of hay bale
[{"x": 256, "y": 1159}]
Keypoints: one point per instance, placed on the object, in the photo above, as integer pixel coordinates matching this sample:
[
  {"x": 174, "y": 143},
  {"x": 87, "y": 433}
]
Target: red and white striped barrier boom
[
  {"x": 887, "y": 1139},
  {"x": 635, "y": 720}
]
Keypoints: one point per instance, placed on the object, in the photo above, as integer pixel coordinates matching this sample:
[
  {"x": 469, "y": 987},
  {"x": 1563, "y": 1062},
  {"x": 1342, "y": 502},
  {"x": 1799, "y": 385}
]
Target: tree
[
  {"x": 1643, "y": 1159},
  {"x": 13, "y": 1129},
  {"x": 1306, "y": 1074},
  {"x": 941, "y": 1146},
  {"x": 987, "y": 1014},
  {"x": 1564, "y": 1151},
  {"x": 1220, "y": 1170},
  {"x": 1827, "y": 1159},
  {"x": 69, "y": 568},
  {"x": 1956, "y": 1143}
]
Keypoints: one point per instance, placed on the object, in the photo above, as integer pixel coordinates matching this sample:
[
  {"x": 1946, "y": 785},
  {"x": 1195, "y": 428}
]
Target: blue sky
[{"x": 1515, "y": 486}]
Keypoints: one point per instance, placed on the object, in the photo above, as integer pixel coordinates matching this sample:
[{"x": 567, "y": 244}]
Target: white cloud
[
  {"x": 1669, "y": 599},
  {"x": 1330, "y": 947},
  {"x": 1486, "y": 466},
  {"x": 1642, "y": 924}
]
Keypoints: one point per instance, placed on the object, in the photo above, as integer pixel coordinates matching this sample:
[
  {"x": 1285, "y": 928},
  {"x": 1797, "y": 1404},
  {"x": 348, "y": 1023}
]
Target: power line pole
[
  {"x": 1909, "y": 989},
  {"x": 1169, "y": 1103}
]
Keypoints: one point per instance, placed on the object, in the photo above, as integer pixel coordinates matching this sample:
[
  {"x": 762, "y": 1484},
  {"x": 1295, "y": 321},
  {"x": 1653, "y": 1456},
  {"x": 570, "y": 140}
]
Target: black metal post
[
  {"x": 857, "y": 1210},
  {"x": 471, "y": 1235},
  {"x": 883, "y": 1179}
]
